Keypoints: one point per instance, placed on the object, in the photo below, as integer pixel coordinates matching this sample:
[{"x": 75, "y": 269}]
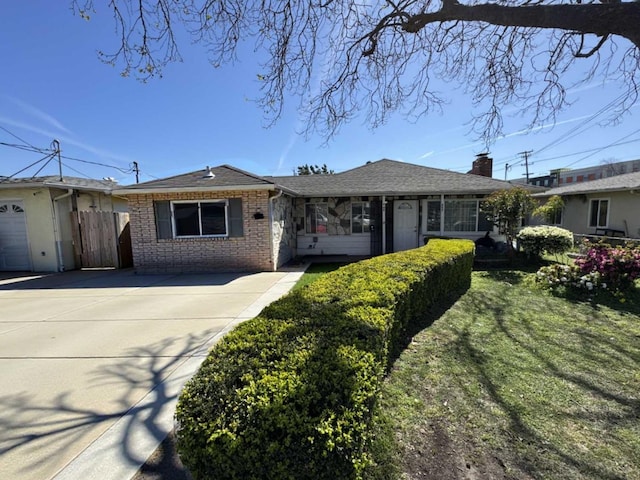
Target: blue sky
[{"x": 52, "y": 86}]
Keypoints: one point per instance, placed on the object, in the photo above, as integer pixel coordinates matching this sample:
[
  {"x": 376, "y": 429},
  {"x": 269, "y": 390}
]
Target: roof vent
[{"x": 209, "y": 173}]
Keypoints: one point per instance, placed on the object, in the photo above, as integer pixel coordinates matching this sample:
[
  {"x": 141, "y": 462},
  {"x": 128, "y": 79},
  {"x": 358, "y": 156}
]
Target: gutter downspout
[
  {"x": 271, "y": 245},
  {"x": 56, "y": 227}
]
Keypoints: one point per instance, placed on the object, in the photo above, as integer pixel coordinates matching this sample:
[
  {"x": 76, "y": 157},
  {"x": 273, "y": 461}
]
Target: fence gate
[{"x": 102, "y": 239}]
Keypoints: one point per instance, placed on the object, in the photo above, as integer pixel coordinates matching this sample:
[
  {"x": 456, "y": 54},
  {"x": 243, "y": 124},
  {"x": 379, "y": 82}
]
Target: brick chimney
[{"x": 482, "y": 165}]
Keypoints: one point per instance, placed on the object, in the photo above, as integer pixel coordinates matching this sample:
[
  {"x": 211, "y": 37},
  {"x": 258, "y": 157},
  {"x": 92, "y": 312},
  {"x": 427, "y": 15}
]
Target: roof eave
[
  {"x": 223, "y": 188},
  {"x": 61, "y": 186},
  {"x": 550, "y": 193}
]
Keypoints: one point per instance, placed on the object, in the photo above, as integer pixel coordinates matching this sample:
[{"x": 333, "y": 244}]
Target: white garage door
[{"x": 14, "y": 245}]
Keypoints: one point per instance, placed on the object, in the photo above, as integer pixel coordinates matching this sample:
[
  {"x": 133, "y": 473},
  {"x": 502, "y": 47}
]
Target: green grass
[
  {"x": 511, "y": 382},
  {"x": 314, "y": 271}
]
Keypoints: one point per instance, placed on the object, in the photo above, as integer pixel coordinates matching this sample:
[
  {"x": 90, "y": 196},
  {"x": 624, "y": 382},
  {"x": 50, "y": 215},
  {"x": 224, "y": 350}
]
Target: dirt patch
[{"x": 434, "y": 454}]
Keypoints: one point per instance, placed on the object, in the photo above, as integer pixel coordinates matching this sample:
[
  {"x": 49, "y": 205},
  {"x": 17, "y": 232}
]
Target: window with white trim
[
  {"x": 316, "y": 217},
  {"x": 200, "y": 219},
  {"x": 360, "y": 217},
  {"x": 460, "y": 215},
  {"x": 599, "y": 213}
]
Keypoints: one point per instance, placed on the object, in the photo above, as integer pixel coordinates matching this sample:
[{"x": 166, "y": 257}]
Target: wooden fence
[{"x": 102, "y": 239}]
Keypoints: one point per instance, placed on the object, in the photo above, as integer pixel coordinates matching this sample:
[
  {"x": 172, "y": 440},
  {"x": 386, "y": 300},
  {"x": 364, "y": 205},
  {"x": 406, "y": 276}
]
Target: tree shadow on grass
[
  {"x": 609, "y": 406},
  {"x": 33, "y": 427}
]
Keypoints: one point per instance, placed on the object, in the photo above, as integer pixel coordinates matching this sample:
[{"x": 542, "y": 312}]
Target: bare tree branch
[{"x": 347, "y": 58}]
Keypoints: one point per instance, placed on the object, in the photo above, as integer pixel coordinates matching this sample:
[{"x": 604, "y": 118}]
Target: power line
[
  {"x": 574, "y": 131},
  {"x": 603, "y": 148},
  {"x": 122, "y": 170},
  {"x": 15, "y": 136},
  {"x": 47, "y": 157},
  {"x": 24, "y": 147}
]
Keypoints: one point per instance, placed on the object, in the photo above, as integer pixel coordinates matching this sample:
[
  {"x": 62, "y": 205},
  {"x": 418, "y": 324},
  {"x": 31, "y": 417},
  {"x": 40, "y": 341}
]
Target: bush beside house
[
  {"x": 535, "y": 241},
  {"x": 289, "y": 394}
]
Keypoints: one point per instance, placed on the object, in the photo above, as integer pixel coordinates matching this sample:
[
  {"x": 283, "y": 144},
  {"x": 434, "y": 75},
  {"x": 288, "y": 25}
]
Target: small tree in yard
[
  {"x": 551, "y": 210},
  {"x": 506, "y": 208}
]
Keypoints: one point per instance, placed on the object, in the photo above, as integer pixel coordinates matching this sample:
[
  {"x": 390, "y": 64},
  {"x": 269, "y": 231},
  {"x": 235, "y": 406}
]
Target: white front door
[
  {"x": 14, "y": 245},
  {"x": 405, "y": 224}
]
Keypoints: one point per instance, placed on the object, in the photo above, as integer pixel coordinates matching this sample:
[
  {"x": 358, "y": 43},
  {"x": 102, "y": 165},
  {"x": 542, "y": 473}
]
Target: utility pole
[
  {"x": 506, "y": 169},
  {"x": 56, "y": 151},
  {"x": 137, "y": 170},
  {"x": 525, "y": 155}
]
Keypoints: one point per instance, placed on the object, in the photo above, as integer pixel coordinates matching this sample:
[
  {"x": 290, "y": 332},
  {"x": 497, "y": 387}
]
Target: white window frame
[
  {"x": 599, "y": 200},
  {"x": 365, "y": 230},
  {"x": 199, "y": 203}
]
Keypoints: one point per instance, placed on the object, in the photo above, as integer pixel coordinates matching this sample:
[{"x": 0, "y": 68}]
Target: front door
[
  {"x": 14, "y": 245},
  {"x": 405, "y": 224}
]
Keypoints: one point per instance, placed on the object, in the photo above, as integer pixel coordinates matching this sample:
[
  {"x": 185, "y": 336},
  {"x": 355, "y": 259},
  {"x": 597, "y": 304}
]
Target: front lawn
[{"x": 514, "y": 383}]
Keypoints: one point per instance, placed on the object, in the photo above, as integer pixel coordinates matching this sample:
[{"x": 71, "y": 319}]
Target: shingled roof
[
  {"x": 383, "y": 177},
  {"x": 389, "y": 177},
  {"x": 54, "y": 181},
  {"x": 223, "y": 177},
  {"x": 628, "y": 181}
]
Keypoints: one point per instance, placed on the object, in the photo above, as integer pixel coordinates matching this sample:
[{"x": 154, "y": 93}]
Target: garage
[{"x": 14, "y": 244}]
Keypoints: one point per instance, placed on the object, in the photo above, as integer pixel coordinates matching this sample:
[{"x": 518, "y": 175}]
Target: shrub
[
  {"x": 536, "y": 240},
  {"x": 602, "y": 268},
  {"x": 289, "y": 394},
  {"x": 561, "y": 278},
  {"x": 618, "y": 266}
]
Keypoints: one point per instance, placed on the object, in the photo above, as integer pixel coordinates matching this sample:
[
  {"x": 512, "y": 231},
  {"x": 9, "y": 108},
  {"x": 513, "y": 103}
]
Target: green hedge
[{"x": 289, "y": 394}]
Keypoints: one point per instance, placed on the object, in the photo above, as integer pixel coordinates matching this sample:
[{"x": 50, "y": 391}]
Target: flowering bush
[
  {"x": 618, "y": 266},
  {"x": 560, "y": 276},
  {"x": 602, "y": 268},
  {"x": 536, "y": 240}
]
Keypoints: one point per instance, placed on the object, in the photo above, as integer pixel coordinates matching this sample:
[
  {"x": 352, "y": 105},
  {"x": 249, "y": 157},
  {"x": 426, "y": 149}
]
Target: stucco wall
[
  {"x": 251, "y": 252},
  {"x": 39, "y": 216},
  {"x": 43, "y": 220},
  {"x": 623, "y": 206}
]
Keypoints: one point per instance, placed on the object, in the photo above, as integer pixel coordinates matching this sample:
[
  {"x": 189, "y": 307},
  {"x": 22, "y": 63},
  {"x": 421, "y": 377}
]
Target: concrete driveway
[{"x": 91, "y": 362}]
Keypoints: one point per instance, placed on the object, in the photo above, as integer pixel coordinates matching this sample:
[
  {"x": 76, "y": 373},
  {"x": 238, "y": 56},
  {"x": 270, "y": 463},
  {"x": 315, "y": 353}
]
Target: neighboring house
[
  {"x": 36, "y": 228},
  {"x": 224, "y": 218},
  {"x": 609, "y": 206}
]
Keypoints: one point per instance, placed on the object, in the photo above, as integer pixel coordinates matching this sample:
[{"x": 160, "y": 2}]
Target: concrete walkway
[{"x": 92, "y": 362}]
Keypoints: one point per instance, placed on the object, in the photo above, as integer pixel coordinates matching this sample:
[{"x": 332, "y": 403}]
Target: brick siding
[{"x": 251, "y": 252}]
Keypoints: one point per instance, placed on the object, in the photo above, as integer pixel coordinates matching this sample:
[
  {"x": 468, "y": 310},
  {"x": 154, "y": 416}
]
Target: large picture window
[
  {"x": 360, "y": 217},
  {"x": 316, "y": 216},
  {"x": 599, "y": 213},
  {"x": 200, "y": 219},
  {"x": 460, "y": 215}
]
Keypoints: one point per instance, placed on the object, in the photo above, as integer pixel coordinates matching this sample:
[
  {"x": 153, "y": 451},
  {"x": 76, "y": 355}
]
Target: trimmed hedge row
[{"x": 289, "y": 394}]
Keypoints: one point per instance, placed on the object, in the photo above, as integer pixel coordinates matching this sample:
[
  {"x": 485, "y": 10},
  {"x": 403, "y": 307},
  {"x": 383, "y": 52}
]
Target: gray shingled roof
[
  {"x": 53, "y": 181},
  {"x": 390, "y": 177},
  {"x": 225, "y": 177},
  {"x": 628, "y": 181}
]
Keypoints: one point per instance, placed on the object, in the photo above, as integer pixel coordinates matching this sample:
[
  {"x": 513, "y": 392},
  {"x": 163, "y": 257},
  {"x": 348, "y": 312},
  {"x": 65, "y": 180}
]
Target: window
[
  {"x": 433, "y": 215},
  {"x": 460, "y": 215},
  {"x": 316, "y": 216},
  {"x": 599, "y": 213},
  {"x": 360, "y": 217},
  {"x": 200, "y": 219}
]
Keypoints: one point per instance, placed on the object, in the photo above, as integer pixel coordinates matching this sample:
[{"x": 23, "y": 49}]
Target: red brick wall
[{"x": 251, "y": 252}]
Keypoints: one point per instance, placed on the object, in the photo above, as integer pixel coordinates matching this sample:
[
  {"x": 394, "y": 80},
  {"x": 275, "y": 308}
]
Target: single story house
[
  {"x": 36, "y": 228},
  {"x": 224, "y": 218},
  {"x": 608, "y": 206}
]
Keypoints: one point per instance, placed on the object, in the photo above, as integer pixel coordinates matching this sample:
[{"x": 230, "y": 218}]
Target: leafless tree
[{"x": 365, "y": 57}]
